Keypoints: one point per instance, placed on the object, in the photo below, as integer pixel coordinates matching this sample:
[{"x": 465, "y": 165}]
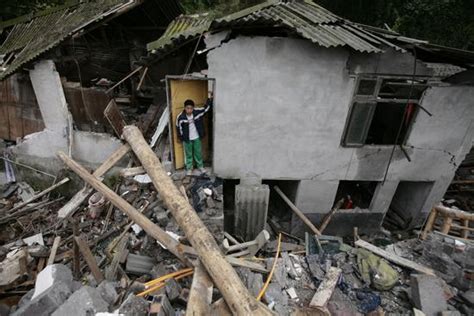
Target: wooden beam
[
  {"x": 429, "y": 224},
  {"x": 54, "y": 250},
  {"x": 451, "y": 212},
  {"x": 200, "y": 295},
  {"x": 90, "y": 259},
  {"x": 224, "y": 276},
  {"x": 326, "y": 288},
  {"x": 125, "y": 78},
  {"x": 76, "y": 260},
  {"x": 72, "y": 205},
  {"x": 447, "y": 222},
  {"x": 394, "y": 258},
  {"x": 148, "y": 226},
  {"x": 297, "y": 211}
]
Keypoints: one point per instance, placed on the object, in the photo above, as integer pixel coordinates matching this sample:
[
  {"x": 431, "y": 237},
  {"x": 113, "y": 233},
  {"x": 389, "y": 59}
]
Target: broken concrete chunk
[
  {"x": 47, "y": 302},
  {"x": 468, "y": 296},
  {"x": 428, "y": 294},
  {"x": 50, "y": 276},
  {"x": 161, "y": 306},
  {"x": 107, "y": 292},
  {"x": 14, "y": 266},
  {"x": 85, "y": 301},
  {"x": 173, "y": 289},
  {"x": 134, "y": 305}
]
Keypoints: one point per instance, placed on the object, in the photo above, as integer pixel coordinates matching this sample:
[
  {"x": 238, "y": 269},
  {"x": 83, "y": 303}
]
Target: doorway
[
  {"x": 180, "y": 89},
  {"x": 407, "y": 203}
]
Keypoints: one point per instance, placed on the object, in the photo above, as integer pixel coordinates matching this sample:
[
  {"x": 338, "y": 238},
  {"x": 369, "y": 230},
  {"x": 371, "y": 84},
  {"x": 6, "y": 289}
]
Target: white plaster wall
[{"x": 280, "y": 111}]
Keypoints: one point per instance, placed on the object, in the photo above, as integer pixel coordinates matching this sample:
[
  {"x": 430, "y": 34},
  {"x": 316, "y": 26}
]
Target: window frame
[{"x": 374, "y": 99}]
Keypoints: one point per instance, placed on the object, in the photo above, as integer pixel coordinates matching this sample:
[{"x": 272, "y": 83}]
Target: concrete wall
[
  {"x": 281, "y": 108},
  {"x": 39, "y": 149}
]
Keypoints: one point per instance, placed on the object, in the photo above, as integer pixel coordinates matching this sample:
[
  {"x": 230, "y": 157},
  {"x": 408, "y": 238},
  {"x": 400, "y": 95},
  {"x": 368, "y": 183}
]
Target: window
[
  {"x": 382, "y": 111},
  {"x": 356, "y": 194}
]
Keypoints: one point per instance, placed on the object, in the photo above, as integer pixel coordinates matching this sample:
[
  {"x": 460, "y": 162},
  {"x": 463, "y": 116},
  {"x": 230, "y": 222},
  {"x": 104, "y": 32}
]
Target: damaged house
[{"x": 325, "y": 109}]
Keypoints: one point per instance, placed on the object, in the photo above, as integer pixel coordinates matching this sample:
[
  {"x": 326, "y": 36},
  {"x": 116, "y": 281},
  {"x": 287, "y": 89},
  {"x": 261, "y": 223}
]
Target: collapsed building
[{"x": 317, "y": 121}]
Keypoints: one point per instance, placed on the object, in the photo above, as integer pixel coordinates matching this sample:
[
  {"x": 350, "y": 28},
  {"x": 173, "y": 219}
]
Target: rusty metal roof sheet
[
  {"x": 34, "y": 34},
  {"x": 305, "y": 18}
]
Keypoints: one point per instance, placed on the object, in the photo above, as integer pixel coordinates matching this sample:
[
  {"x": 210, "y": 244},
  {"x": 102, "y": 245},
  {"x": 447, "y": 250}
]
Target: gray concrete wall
[{"x": 281, "y": 108}]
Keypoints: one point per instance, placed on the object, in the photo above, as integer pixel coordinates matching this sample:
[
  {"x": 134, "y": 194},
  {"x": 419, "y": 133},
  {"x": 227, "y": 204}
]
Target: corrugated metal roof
[
  {"x": 305, "y": 18},
  {"x": 34, "y": 34}
]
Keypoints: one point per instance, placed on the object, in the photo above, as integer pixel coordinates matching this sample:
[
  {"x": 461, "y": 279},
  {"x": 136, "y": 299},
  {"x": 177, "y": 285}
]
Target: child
[{"x": 190, "y": 131}]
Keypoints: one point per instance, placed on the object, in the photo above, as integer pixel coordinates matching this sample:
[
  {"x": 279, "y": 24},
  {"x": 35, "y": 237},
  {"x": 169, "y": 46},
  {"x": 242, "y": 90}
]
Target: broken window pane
[
  {"x": 359, "y": 121},
  {"x": 366, "y": 87},
  {"x": 387, "y": 120}
]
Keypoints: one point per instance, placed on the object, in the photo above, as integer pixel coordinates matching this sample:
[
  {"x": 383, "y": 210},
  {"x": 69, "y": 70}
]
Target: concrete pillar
[
  {"x": 50, "y": 96},
  {"x": 251, "y": 207}
]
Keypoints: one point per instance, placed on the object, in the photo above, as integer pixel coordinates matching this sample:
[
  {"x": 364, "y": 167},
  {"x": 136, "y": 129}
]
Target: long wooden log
[
  {"x": 298, "y": 212},
  {"x": 148, "y": 226},
  {"x": 224, "y": 276}
]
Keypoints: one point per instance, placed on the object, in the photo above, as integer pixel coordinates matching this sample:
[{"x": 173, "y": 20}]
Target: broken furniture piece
[
  {"x": 452, "y": 221},
  {"x": 326, "y": 288}
]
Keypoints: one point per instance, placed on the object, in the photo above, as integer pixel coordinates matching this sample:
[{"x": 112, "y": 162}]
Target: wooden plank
[
  {"x": 111, "y": 271},
  {"x": 90, "y": 259},
  {"x": 325, "y": 289},
  {"x": 71, "y": 206},
  {"x": 200, "y": 295},
  {"x": 394, "y": 258},
  {"x": 148, "y": 226},
  {"x": 130, "y": 172},
  {"x": 54, "y": 250},
  {"x": 297, "y": 211},
  {"x": 225, "y": 278},
  {"x": 453, "y": 212},
  {"x": 76, "y": 260},
  {"x": 240, "y": 262},
  {"x": 115, "y": 117},
  {"x": 220, "y": 308}
]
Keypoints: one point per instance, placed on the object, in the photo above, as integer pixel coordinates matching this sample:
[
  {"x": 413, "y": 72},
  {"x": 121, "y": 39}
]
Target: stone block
[
  {"x": 50, "y": 276},
  {"x": 134, "y": 305},
  {"x": 428, "y": 294},
  {"x": 173, "y": 289},
  {"x": 107, "y": 292},
  {"x": 47, "y": 302},
  {"x": 85, "y": 301}
]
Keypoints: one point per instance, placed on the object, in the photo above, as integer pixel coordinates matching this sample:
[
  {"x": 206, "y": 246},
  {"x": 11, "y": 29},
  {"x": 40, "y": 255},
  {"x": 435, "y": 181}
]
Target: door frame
[{"x": 171, "y": 125}]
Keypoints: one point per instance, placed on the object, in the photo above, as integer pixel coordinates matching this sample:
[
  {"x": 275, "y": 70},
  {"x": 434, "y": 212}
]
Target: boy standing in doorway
[{"x": 190, "y": 127}]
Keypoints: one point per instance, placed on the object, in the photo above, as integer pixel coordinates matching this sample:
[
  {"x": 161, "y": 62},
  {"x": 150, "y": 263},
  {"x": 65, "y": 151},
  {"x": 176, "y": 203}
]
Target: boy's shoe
[
  {"x": 189, "y": 172},
  {"x": 203, "y": 170}
]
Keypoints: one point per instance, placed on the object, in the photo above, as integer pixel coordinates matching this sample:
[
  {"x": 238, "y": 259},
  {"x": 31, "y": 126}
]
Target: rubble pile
[{"x": 126, "y": 249}]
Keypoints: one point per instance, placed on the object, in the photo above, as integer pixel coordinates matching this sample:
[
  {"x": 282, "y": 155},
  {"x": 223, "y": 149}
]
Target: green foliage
[
  {"x": 443, "y": 22},
  {"x": 14, "y": 8}
]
